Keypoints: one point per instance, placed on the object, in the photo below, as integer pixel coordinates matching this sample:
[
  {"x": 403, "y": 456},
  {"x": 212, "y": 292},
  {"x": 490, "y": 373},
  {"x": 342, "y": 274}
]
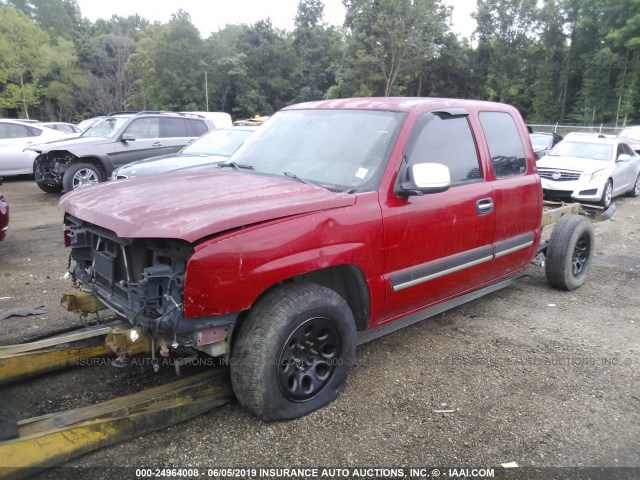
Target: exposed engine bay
[
  {"x": 143, "y": 281},
  {"x": 50, "y": 167}
]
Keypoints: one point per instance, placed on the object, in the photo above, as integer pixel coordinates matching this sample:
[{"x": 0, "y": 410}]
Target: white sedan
[
  {"x": 590, "y": 170},
  {"x": 15, "y": 136}
]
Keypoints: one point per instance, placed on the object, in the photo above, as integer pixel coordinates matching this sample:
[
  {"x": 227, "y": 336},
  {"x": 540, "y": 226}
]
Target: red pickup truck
[{"x": 336, "y": 222}]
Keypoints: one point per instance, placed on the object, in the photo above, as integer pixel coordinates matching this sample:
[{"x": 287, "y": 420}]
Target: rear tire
[
  {"x": 50, "y": 187},
  {"x": 569, "y": 253},
  {"x": 80, "y": 175},
  {"x": 293, "y": 352}
]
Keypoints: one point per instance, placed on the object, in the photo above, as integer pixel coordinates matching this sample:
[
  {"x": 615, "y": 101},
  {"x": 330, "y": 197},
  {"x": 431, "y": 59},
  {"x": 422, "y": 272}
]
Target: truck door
[
  {"x": 438, "y": 245},
  {"x": 516, "y": 191}
]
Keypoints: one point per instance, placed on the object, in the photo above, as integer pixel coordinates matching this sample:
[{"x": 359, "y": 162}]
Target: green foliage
[
  {"x": 553, "y": 59},
  {"x": 386, "y": 39},
  {"x": 26, "y": 58}
]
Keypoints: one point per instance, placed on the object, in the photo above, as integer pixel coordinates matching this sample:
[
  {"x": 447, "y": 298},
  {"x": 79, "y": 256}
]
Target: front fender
[{"x": 228, "y": 273}]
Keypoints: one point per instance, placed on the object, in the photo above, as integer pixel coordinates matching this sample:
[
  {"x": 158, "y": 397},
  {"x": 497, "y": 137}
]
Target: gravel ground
[{"x": 534, "y": 375}]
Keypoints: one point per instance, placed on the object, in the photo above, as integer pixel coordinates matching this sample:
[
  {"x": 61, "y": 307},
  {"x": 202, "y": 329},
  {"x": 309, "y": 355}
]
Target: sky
[{"x": 211, "y": 15}]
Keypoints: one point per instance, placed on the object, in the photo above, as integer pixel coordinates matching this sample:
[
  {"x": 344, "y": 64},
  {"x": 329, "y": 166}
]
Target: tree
[
  {"x": 27, "y": 58},
  {"x": 269, "y": 62},
  {"x": 225, "y": 66},
  {"x": 318, "y": 50},
  {"x": 58, "y": 18},
  {"x": 505, "y": 30},
  {"x": 624, "y": 36},
  {"x": 168, "y": 66},
  {"x": 387, "y": 38},
  {"x": 549, "y": 55}
]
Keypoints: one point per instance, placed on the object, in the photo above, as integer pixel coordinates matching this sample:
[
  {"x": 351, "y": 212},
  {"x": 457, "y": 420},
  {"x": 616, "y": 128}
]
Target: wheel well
[
  {"x": 348, "y": 281},
  {"x": 96, "y": 162}
]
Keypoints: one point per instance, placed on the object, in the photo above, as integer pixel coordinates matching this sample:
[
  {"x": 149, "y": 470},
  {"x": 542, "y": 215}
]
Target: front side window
[
  {"x": 447, "y": 140},
  {"x": 505, "y": 146}
]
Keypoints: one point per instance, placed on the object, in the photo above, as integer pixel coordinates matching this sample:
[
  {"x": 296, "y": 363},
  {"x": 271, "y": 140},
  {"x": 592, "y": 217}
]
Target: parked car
[
  {"x": 15, "y": 136},
  {"x": 114, "y": 141},
  {"x": 63, "y": 127},
  {"x": 334, "y": 223},
  {"x": 590, "y": 170},
  {"x": 4, "y": 216},
  {"x": 254, "y": 121},
  {"x": 88, "y": 123},
  {"x": 215, "y": 119},
  {"x": 212, "y": 147},
  {"x": 542, "y": 142},
  {"x": 631, "y": 136},
  {"x": 584, "y": 135}
]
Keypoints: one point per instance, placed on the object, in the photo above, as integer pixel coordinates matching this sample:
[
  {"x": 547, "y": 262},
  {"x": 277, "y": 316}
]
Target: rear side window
[
  {"x": 505, "y": 146},
  {"x": 175, "y": 127},
  {"x": 446, "y": 140},
  {"x": 12, "y": 130},
  {"x": 199, "y": 127}
]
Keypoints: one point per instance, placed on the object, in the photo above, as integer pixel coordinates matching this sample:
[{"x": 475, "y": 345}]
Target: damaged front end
[
  {"x": 50, "y": 167},
  {"x": 143, "y": 281}
]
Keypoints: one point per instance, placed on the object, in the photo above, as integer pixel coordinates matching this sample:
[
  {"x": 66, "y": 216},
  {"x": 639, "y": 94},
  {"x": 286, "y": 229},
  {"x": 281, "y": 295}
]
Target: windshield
[
  {"x": 594, "y": 151},
  {"x": 222, "y": 142},
  {"x": 630, "y": 134},
  {"x": 107, "y": 127},
  {"x": 344, "y": 149},
  {"x": 540, "y": 142}
]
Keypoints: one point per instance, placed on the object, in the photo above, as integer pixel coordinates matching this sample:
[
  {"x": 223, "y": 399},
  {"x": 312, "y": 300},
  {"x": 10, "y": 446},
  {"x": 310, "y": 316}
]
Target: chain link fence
[{"x": 563, "y": 128}]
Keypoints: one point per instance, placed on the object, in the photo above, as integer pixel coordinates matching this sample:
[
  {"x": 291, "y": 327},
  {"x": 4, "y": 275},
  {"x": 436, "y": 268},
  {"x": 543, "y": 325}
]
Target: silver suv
[{"x": 116, "y": 140}]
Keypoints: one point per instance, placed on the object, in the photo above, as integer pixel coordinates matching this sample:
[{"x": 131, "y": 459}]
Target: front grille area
[
  {"x": 104, "y": 266},
  {"x": 557, "y": 194},
  {"x": 140, "y": 279},
  {"x": 558, "y": 175}
]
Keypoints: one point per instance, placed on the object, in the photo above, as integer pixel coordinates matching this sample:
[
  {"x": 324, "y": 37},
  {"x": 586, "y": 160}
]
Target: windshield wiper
[
  {"x": 302, "y": 180},
  {"x": 238, "y": 166}
]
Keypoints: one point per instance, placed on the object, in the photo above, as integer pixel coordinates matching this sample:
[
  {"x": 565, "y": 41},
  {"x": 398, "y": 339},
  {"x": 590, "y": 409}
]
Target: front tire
[
  {"x": 293, "y": 352},
  {"x": 50, "y": 187},
  {"x": 81, "y": 175},
  {"x": 569, "y": 253},
  {"x": 607, "y": 195}
]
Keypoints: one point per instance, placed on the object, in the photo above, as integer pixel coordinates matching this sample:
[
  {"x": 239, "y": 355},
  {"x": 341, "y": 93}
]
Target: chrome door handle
[
  {"x": 484, "y": 206},
  {"x": 156, "y": 144}
]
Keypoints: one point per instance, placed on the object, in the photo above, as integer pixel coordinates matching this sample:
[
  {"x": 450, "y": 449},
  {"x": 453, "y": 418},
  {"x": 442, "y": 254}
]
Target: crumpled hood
[
  {"x": 576, "y": 164},
  {"x": 191, "y": 206},
  {"x": 69, "y": 144}
]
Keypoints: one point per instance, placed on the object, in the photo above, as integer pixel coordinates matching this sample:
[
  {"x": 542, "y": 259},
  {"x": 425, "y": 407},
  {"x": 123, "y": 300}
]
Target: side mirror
[
  {"x": 425, "y": 178},
  {"x": 624, "y": 157},
  {"x": 128, "y": 137}
]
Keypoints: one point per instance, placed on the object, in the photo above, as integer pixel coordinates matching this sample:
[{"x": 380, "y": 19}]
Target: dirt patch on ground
[{"x": 534, "y": 375}]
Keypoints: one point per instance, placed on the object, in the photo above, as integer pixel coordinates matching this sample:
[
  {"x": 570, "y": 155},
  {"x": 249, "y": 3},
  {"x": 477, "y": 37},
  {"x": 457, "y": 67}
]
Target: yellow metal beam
[
  {"x": 53, "y": 439},
  {"x": 25, "y": 360},
  {"x": 22, "y": 365}
]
